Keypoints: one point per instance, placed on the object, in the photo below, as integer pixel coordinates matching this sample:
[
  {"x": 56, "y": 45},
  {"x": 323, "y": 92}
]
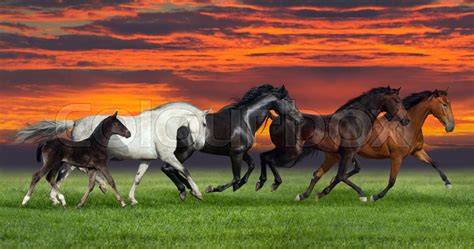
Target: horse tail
[
  {"x": 39, "y": 151},
  {"x": 306, "y": 152},
  {"x": 43, "y": 130}
]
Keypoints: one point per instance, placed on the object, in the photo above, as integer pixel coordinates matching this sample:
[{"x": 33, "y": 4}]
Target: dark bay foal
[{"x": 90, "y": 154}]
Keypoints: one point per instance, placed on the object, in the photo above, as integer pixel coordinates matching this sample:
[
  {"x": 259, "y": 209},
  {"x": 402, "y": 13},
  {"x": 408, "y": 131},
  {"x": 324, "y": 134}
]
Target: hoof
[
  {"x": 275, "y": 187},
  {"x": 298, "y": 198},
  {"x": 363, "y": 199},
  {"x": 258, "y": 186},
  {"x": 55, "y": 202},
  {"x": 182, "y": 195},
  {"x": 197, "y": 195},
  {"x": 448, "y": 186},
  {"x": 372, "y": 198},
  {"x": 133, "y": 201},
  {"x": 209, "y": 189},
  {"x": 103, "y": 189},
  {"x": 78, "y": 206},
  {"x": 123, "y": 205}
]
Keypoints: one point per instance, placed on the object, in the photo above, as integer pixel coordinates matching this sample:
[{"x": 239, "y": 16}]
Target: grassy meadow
[{"x": 418, "y": 212}]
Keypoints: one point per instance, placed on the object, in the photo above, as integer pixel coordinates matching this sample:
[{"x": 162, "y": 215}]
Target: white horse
[{"x": 154, "y": 133}]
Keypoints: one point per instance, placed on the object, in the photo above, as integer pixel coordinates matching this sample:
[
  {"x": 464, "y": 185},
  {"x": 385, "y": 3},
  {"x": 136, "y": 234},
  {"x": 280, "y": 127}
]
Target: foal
[{"x": 90, "y": 153}]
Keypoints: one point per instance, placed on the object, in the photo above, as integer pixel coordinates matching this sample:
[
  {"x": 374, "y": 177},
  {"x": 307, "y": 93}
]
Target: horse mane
[
  {"x": 374, "y": 91},
  {"x": 250, "y": 96},
  {"x": 415, "y": 98}
]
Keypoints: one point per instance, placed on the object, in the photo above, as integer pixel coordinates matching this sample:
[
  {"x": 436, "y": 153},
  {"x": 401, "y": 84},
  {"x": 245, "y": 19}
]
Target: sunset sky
[{"x": 88, "y": 57}]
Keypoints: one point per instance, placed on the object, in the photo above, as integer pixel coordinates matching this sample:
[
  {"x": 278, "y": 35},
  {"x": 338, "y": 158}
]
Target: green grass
[{"x": 418, "y": 212}]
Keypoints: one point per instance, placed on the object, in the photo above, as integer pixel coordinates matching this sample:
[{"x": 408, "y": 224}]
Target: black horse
[
  {"x": 343, "y": 132},
  {"x": 231, "y": 131}
]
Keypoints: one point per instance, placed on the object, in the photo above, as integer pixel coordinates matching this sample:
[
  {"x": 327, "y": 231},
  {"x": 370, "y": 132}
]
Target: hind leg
[
  {"x": 34, "y": 180},
  {"x": 329, "y": 161},
  {"x": 271, "y": 158}
]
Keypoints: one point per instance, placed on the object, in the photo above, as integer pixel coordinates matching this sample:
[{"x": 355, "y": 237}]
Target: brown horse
[
  {"x": 392, "y": 141},
  {"x": 343, "y": 132},
  {"x": 400, "y": 142}
]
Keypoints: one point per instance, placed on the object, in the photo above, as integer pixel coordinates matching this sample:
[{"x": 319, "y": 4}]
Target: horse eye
[{"x": 445, "y": 105}]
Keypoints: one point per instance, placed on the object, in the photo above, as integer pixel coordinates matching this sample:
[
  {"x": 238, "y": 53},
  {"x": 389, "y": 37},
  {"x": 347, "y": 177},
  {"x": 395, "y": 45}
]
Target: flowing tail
[
  {"x": 39, "y": 151},
  {"x": 43, "y": 130},
  {"x": 306, "y": 152}
]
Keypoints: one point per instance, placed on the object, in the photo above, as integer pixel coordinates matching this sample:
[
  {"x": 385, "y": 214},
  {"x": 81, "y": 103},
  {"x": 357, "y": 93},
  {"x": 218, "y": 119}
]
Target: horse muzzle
[{"x": 449, "y": 127}]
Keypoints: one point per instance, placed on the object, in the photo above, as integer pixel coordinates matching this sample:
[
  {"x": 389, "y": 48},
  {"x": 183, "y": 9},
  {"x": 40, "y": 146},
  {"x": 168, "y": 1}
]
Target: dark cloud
[
  {"x": 337, "y": 14},
  {"x": 337, "y": 57},
  {"x": 11, "y": 55},
  {"x": 273, "y": 54},
  {"x": 63, "y": 3},
  {"x": 164, "y": 23},
  {"x": 401, "y": 54},
  {"x": 80, "y": 43},
  {"x": 337, "y": 3},
  {"x": 18, "y": 26}
]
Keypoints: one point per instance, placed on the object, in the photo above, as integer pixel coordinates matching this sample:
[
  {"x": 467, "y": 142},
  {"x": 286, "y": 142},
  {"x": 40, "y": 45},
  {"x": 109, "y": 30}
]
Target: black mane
[
  {"x": 374, "y": 91},
  {"x": 251, "y": 95},
  {"x": 415, "y": 98}
]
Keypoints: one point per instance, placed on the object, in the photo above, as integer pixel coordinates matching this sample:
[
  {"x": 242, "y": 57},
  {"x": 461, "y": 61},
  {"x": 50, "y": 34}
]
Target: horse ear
[
  {"x": 388, "y": 87},
  {"x": 398, "y": 90},
  {"x": 115, "y": 114},
  {"x": 282, "y": 88},
  {"x": 447, "y": 88},
  {"x": 436, "y": 93},
  {"x": 207, "y": 111}
]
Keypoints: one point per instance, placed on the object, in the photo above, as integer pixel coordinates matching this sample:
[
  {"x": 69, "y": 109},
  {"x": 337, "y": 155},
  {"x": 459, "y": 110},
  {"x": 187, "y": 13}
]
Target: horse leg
[
  {"x": 423, "y": 156},
  {"x": 105, "y": 171},
  {"x": 251, "y": 166},
  {"x": 263, "y": 170},
  {"x": 271, "y": 158},
  {"x": 92, "y": 178},
  {"x": 329, "y": 161},
  {"x": 51, "y": 178},
  {"x": 360, "y": 192},
  {"x": 346, "y": 158},
  {"x": 53, "y": 194},
  {"x": 236, "y": 159},
  {"x": 175, "y": 163},
  {"x": 180, "y": 182},
  {"x": 395, "y": 167},
  {"x": 35, "y": 179},
  {"x": 144, "y": 164}
]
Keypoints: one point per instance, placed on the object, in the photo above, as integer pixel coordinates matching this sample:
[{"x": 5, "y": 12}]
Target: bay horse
[
  {"x": 231, "y": 132},
  {"x": 153, "y": 137},
  {"x": 90, "y": 153},
  {"x": 342, "y": 133},
  {"x": 396, "y": 143}
]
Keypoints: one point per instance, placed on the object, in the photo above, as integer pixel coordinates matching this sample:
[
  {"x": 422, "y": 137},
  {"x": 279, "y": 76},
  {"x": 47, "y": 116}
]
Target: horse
[
  {"x": 342, "y": 133},
  {"x": 90, "y": 153},
  {"x": 153, "y": 137},
  {"x": 396, "y": 143},
  {"x": 231, "y": 132}
]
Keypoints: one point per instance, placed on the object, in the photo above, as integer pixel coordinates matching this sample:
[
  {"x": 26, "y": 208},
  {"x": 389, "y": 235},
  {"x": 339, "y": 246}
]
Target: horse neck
[
  {"x": 418, "y": 114},
  {"x": 370, "y": 107},
  {"x": 100, "y": 138},
  {"x": 256, "y": 113}
]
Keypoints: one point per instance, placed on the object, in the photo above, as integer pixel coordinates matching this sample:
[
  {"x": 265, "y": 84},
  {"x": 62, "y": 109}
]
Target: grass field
[{"x": 418, "y": 212}]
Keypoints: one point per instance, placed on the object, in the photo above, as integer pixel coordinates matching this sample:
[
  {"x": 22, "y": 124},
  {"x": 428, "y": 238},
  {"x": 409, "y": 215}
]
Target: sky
[{"x": 68, "y": 59}]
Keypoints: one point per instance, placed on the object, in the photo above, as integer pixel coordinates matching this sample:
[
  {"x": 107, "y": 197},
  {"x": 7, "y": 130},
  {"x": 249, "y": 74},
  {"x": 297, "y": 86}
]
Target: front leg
[
  {"x": 251, "y": 166},
  {"x": 423, "y": 156},
  {"x": 236, "y": 159}
]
